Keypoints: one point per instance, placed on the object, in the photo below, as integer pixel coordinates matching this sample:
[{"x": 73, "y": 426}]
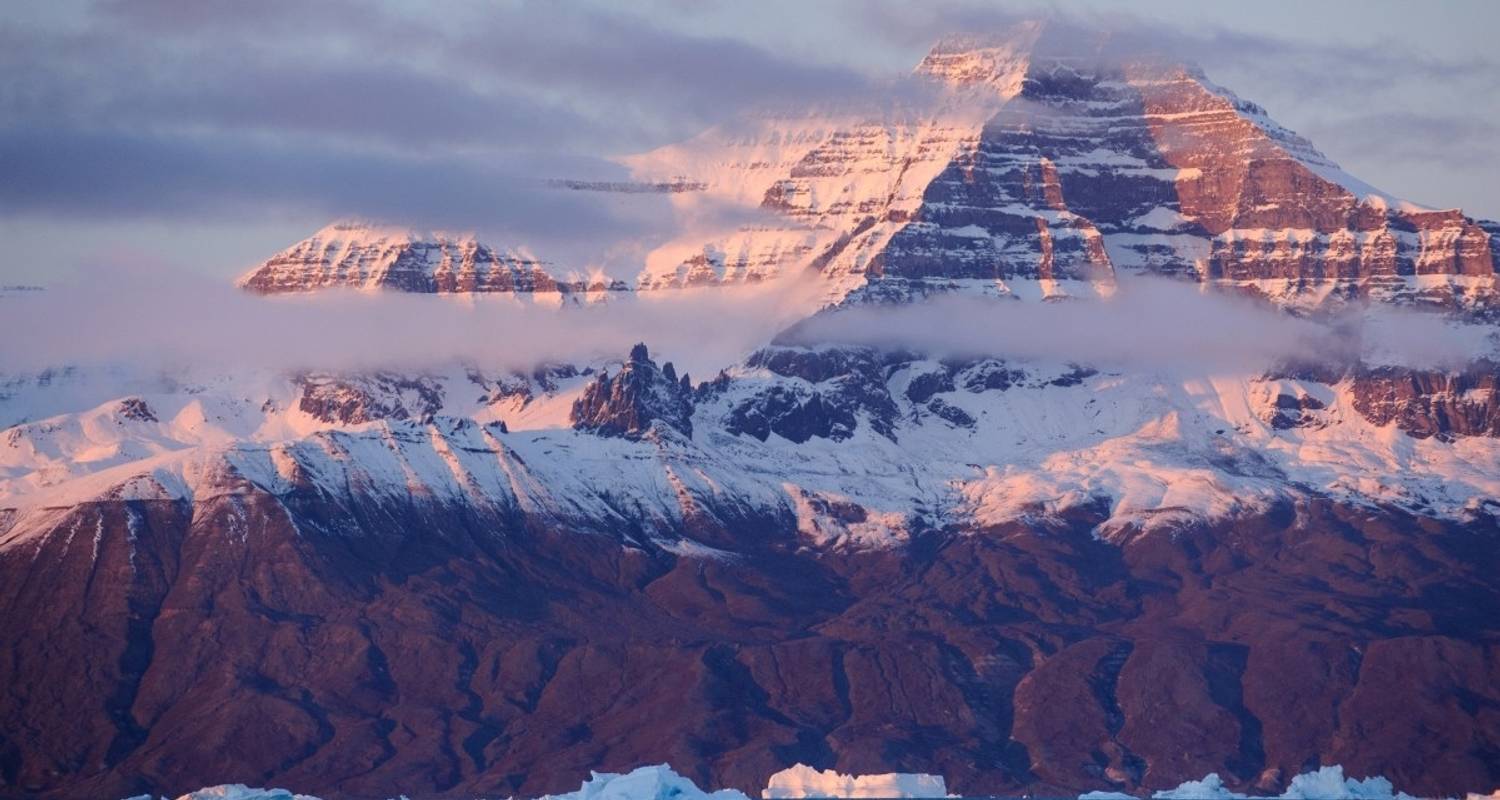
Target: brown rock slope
[{"x": 370, "y": 650}]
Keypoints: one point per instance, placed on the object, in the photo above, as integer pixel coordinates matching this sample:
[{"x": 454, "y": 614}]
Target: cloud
[
  {"x": 276, "y": 17},
  {"x": 1150, "y": 323},
  {"x": 1318, "y": 63},
  {"x": 519, "y": 74},
  {"x": 203, "y": 113},
  {"x": 129, "y": 176},
  {"x": 93, "y": 81},
  {"x": 150, "y": 318},
  {"x": 1452, "y": 139},
  {"x": 625, "y": 61}
]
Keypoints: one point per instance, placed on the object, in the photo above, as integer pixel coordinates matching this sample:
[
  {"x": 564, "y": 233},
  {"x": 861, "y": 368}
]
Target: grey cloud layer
[
  {"x": 125, "y": 175},
  {"x": 155, "y": 319},
  {"x": 1152, "y": 323},
  {"x": 192, "y": 111},
  {"x": 176, "y": 320}
]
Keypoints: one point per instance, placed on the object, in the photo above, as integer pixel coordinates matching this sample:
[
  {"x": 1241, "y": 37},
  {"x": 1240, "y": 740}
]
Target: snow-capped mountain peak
[
  {"x": 995, "y": 61},
  {"x": 1048, "y": 166},
  {"x": 367, "y": 256}
]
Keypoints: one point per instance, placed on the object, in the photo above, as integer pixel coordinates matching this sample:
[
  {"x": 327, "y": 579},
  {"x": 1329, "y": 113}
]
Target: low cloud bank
[
  {"x": 167, "y": 321},
  {"x": 182, "y": 321},
  {"x": 1150, "y": 324}
]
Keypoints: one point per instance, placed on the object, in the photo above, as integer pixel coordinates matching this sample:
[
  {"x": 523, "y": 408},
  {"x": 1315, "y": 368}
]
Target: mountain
[
  {"x": 362, "y": 256},
  {"x": 1148, "y": 167},
  {"x": 462, "y": 583},
  {"x": 1044, "y": 171},
  {"x": 1027, "y": 575},
  {"x": 1033, "y": 166}
]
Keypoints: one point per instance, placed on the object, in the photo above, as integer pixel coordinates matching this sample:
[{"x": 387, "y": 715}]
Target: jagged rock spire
[{"x": 630, "y": 402}]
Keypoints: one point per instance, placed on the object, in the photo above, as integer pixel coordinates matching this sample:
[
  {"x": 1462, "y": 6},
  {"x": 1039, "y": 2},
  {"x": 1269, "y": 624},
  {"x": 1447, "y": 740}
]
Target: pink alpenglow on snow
[{"x": 803, "y": 781}]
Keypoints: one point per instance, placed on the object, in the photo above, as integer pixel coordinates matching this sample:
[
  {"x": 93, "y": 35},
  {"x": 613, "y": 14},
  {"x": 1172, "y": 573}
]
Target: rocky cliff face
[
  {"x": 829, "y": 392},
  {"x": 355, "y": 399},
  {"x": 354, "y": 255},
  {"x": 1421, "y": 403},
  {"x": 1148, "y": 167},
  {"x": 1429, "y": 402},
  {"x": 1035, "y": 169},
  {"x": 629, "y": 402},
  {"x": 1086, "y": 168}
]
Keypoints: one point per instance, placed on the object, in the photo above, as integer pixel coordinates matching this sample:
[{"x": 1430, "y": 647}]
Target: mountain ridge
[
  {"x": 361, "y": 255},
  {"x": 1090, "y": 168}
]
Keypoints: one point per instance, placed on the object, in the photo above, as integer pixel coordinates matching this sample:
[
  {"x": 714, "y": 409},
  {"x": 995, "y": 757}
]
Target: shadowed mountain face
[{"x": 356, "y": 650}]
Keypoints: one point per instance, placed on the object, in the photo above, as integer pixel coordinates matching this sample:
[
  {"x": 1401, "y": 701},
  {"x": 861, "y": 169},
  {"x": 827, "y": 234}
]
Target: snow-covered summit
[
  {"x": 1058, "y": 160},
  {"x": 996, "y": 61},
  {"x": 365, "y": 256},
  {"x": 1048, "y": 162}
]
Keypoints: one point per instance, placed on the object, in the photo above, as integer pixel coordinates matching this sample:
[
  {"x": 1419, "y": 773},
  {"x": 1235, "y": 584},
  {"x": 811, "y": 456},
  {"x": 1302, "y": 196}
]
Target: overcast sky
[{"x": 207, "y": 134}]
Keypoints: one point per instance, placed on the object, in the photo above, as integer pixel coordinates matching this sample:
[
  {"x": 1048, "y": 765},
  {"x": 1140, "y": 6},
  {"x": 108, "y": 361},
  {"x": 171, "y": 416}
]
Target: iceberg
[
  {"x": 1329, "y": 783},
  {"x": 804, "y": 781},
  {"x": 658, "y": 782},
  {"x": 239, "y": 791},
  {"x": 1325, "y": 783},
  {"x": 1210, "y": 788}
]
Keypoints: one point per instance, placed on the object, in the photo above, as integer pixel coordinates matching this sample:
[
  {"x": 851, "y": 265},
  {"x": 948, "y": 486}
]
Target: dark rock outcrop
[
  {"x": 1430, "y": 402},
  {"x": 627, "y": 404},
  {"x": 924, "y": 386},
  {"x": 988, "y": 374},
  {"x": 951, "y": 413},
  {"x": 847, "y": 384},
  {"x": 134, "y": 408},
  {"x": 793, "y": 414},
  {"x": 522, "y": 386},
  {"x": 1294, "y": 410}
]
